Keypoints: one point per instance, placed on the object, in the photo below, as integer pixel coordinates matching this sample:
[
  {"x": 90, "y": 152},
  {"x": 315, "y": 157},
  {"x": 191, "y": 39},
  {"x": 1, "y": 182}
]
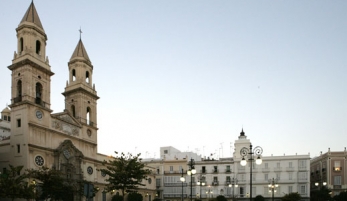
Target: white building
[{"x": 227, "y": 177}]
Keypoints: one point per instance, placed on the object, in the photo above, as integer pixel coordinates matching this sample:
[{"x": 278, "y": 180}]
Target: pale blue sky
[{"x": 191, "y": 74}]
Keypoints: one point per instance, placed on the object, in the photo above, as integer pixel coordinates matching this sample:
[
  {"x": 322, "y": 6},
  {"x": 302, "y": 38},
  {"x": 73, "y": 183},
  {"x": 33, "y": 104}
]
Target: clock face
[
  {"x": 90, "y": 170},
  {"x": 39, "y": 160},
  {"x": 39, "y": 114}
]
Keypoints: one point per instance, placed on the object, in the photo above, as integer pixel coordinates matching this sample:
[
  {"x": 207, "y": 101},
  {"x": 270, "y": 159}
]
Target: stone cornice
[{"x": 31, "y": 63}]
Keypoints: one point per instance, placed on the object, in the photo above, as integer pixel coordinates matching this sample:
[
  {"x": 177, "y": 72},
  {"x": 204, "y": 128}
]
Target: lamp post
[
  {"x": 233, "y": 185},
  {"x": 257, "y": 151},
  {"x": 200, "y": 183},
  {"x": 272, "y": 185},
  {"x": 323, "y": 184},
  {"x": 182, "y": 180},
  {"x": 209, "y": 192},
  {"x": 191, "y": 172}
]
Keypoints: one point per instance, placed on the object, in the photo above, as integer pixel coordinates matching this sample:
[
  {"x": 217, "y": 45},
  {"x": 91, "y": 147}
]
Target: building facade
[
  {"x": 225, "y": 176},
  {"x": 329, "y": 170},
  {"x": 33, "y": 136}
]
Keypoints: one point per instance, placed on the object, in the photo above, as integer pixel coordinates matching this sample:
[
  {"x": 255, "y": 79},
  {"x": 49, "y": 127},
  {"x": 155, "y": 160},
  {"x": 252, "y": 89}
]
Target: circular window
[
  {"x": 103, "y": 174},
  {"x": 149, "y": 180},
  {"x": 90, "y": 170},
  {"x": 39, "y": 160}
]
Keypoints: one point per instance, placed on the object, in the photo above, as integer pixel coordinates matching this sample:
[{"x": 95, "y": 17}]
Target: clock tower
[{"x": 31, "y": 84}]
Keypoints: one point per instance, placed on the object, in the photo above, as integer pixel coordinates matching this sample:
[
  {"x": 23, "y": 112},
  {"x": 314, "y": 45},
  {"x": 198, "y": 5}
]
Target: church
[{"x": 32, "y": 136}]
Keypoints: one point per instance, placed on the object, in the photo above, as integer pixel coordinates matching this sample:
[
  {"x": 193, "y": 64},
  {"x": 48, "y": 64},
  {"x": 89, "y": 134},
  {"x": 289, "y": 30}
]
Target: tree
[
  {"x": 322, "y": 194},
  {"x": 221, "y": 198},
  {"x": 341, "y": 197},
  {"x": 125, "y": 172},
  {"x": 135, "y": 197},
  {"x": 292, "y": 197},
  {"x": 51, "y": 183},
  {"x": 259, "y": 198},
  {"x": 13, "y": 184}
]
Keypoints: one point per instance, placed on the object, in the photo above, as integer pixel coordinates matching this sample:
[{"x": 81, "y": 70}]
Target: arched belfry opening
[
  {"x": 21, "y": 45},
  {"x": 88, "y": 116},
  {"x": 18, "y": 97},
  {"x": 38, "y": 92},
  {"x": 73, "y": 74},
  {"x": 38, "y": 47},
  {"x": 73, "y": 111},
  {"x": 87, "y": 77}
]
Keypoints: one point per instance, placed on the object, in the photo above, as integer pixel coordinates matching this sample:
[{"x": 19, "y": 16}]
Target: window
[
  {"x": 21, "y": 45},
  {"x": 166, "y": 151},
  {"x": 337, "y": 166},
  {"x": 290, "y": 189},
  {"x": 228, "y": 179},
  {"x": 228, "y": 168},
  {"x": 215, "y": 179},
  {"x": 88, "y": 115},
  {"x": 266, "y": 165},
  {"x": 266, "y": 177},
  {"x": 87, "y": 76},
  {"x": 290, "y": 164},
  {"x": 290, "y": 176},
  {"x": 73, "y": 110},
  {"x": 278, "y": 165},
  {"x": 203, "y": 169},
  {"x": 38, "y": 93},
  {"x": 302, "y": 189},
  {"x": 302, "y": 175},
  {"x": 18, "y": 148},
  {"x": 73, "y": 73},
  {"x": 278, "y": 176},
  {"x": 171, "y": 168},
  {"x": 9, "y": 118},
  {"x": 302, "y": 164},
  {"x": 38, "y": 47},
  {"x": 337, "y": 180},
  {"x": 19, "y": 123},
  {"x": 5, "y": 117},
  {"x": 242, "y": 192},
  {"x": 215, "y": 169}
]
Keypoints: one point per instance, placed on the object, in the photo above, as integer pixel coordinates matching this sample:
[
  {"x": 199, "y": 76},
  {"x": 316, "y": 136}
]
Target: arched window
[
  {"x": 73, "y": 111},
  {"x": 38, "y": 93},
  {"x": 88, "y": 115},
  {"x": 87, "y": 76},
  {"x": 21, "y": 45},
  {"x": 73, "y": 73},
  {"x": 38, "y": 47},
  {"x": 18, "y": 97}
]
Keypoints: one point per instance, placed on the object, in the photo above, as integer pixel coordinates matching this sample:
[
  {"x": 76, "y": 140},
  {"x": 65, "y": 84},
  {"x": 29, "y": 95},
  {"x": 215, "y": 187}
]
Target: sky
[{"x": 192, "y": 74}]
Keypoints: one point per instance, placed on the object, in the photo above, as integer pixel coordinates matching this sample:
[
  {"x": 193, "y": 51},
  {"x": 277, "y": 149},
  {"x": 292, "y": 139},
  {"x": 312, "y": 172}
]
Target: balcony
[
  {"x": 302, "y": 168},
  {"x": 17, "y": 99},
  {"x": 215, "y": 183},
  {"x": 227, "y": 171},
  {"x": 265, "y": 169},
  {"x": 175, "y": 184},
  {"x": 215, "y": 171}
]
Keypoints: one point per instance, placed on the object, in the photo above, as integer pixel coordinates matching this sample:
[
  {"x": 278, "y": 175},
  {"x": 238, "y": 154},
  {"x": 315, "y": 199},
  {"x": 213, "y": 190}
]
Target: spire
[
  {"x": 32, "y": 16},
  {"x": 80, "y": 51},
  {"x": 242, "y": 133}
]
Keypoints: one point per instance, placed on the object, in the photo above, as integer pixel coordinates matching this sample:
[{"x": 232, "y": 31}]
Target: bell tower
[
  {"x": 30, "y": 67},
  {"x": 80, "y": 94},
  {"x": 31, "y": 85}
]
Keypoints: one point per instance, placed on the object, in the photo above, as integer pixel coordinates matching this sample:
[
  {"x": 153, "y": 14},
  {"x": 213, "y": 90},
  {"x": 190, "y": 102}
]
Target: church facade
[{"x": 35, "y": 136}]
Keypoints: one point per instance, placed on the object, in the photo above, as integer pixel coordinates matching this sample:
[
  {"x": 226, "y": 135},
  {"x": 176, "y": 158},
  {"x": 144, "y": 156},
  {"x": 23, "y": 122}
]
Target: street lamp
[
  {"x": 200, "y": 183},
  {"x": 257, "y": 151},
  {"x": 182, "y": 180},
  {"x": 191, "y": 172},
  {"x": 233, "y": 185},
  {"x": 209, "y": 192},
  {"x": 272, "y": 185}
]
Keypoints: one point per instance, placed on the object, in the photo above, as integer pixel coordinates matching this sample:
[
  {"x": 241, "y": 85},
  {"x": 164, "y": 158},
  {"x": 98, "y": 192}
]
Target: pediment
[
  {"x": 67, "y": 117},
  {"x": 66, "y": 123}
]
